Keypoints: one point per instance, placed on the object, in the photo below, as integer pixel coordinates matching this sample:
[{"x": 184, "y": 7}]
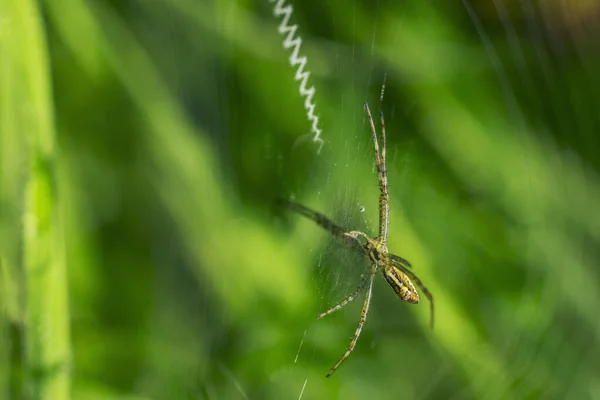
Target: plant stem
[{"x": 28, "y": 100}]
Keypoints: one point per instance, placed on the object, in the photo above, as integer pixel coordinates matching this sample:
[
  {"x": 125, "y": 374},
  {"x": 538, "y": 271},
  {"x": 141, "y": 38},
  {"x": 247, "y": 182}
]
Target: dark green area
[{"x": 177, "y": 124}]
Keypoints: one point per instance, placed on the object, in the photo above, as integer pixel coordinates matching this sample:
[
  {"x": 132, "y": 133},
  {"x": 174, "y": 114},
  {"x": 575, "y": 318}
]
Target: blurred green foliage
[{"x": 143, "y": 145}]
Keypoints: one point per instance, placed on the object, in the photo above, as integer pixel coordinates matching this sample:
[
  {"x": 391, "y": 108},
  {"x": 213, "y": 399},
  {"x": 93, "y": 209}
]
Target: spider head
[
  {"x": 377, "y": 253},
  {"x": 401, "y": 284}
]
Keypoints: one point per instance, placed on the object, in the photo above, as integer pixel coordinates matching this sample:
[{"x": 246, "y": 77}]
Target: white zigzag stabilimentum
[{"x": 290, "y": 41}]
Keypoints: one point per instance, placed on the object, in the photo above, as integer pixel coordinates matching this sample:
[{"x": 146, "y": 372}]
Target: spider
[{"x": 395, "y": 269}]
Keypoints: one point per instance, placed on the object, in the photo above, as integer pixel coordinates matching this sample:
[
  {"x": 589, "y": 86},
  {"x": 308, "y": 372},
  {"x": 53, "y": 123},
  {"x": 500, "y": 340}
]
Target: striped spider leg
[{"x": 395, "y": 269}]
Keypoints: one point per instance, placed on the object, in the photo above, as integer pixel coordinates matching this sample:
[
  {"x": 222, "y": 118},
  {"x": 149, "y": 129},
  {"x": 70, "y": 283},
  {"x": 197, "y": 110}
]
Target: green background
[{"x": 143, "y": 145}]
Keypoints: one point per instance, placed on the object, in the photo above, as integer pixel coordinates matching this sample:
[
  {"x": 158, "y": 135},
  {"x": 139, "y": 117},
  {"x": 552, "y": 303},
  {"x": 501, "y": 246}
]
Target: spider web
[
  {"x": 491, "y": 121},
  {"x": 474, "y": 208}
]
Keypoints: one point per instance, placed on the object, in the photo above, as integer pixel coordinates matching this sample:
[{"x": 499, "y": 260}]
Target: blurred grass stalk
[{"x": 28, "y": 154}]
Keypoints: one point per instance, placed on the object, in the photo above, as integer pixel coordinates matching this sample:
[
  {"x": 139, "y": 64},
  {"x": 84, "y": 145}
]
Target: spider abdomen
[{"x": 401, "y": 284}]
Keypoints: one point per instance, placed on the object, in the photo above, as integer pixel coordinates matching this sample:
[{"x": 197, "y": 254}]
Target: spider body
[
  {"x": 401, "y": 284},
  {"x": 395, "y": 269},
  {"x": 378, "y": 253},
  {"x": 381, "y": 259}
]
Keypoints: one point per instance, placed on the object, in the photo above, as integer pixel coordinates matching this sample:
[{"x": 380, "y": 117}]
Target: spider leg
[
  {"x": 384, "y": 207},
  {"x": 401, "y": 260},
  {"x": 356, "y": 234},
  {"x": 427, "y": 293},
  {"x": 347, "y": 299},
  {"x": 363, "y": 318},
  {"x": 337, "y": 231},
  {"x": 319, "y": 218}
]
